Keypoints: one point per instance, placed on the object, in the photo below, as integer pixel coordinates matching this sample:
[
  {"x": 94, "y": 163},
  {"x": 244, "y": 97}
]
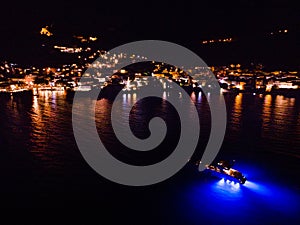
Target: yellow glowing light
[
  {"x": 288, "y": 86},
  {"x": 217, "y": 40},
  {"x": 78, "y": 37},
  {"x": 93, "y": 38},
  {"x": 45, "y": 31},
  {"x": 269, "y": 87}
]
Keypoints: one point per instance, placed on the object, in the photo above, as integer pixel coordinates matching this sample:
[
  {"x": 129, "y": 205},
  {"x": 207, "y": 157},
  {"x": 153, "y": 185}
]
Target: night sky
[{"x": 186, "y": 23}]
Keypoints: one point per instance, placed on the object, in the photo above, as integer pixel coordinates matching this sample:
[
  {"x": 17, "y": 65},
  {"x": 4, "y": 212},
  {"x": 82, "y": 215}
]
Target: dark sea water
[{"x": 43, "y": 173}]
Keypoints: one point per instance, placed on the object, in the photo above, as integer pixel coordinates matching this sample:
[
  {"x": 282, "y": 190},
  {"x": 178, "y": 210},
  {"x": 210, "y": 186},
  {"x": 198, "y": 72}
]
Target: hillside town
[{"x": 76, "y": 77}]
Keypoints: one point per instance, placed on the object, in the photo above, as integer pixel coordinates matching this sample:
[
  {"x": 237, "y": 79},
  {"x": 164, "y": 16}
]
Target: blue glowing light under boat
[
  {"x": 213, "y": 200},
  {"x": 223, "y": 169}
]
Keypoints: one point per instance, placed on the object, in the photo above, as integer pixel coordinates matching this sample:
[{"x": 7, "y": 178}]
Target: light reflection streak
[
  {"x": 236, "y": 114},
  {"x": 231, "y": 185},
  {"x": 227, "y": 188},
  {"x": 193, "y": 97},
  {"x": 277, "y": 114},
  {"x": 164, "y": 96},
  {"x": 258, "y": 188},
  {"x": 134, "y": 97},
  {"x": 43, "y": 111},
  {"x": 200, "y": 96},
  {"x": 35, "y": 104}
]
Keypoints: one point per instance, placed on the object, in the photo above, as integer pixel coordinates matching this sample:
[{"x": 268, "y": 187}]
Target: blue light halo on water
[{"x": 258, "y": 201}]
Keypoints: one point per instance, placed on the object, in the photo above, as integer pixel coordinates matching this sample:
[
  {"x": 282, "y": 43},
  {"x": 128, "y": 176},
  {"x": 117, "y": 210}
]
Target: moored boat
[{"x": 224, "y": 169}]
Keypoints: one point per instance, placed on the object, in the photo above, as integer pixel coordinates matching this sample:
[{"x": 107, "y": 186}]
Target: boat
[{"x": 224, "y": 169}]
